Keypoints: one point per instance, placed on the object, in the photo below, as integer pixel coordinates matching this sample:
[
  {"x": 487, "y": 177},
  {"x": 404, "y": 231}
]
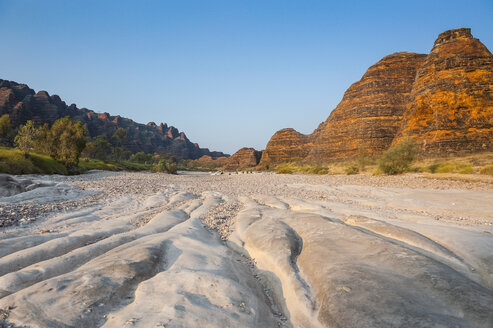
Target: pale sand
[{"x": 250, "y": 250}]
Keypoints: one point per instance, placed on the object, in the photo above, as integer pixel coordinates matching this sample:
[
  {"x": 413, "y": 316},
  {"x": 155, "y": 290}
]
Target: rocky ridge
[
  {"x": 23, "y": 103},
  {"x": 443, "y": 101}
]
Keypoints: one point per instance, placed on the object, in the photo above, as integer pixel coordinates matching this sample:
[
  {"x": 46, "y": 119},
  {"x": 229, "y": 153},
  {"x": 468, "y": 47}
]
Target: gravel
[{"x": 110, "y": 185}]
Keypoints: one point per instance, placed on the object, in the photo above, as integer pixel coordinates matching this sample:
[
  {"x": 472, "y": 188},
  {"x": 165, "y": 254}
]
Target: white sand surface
[{"x": 249, "y": 250}]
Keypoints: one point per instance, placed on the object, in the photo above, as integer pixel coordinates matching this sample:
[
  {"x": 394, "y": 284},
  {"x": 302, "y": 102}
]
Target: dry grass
[
  {"x": 441, "y": 167},
  {"x": 460, "y": 177},
  {"x": 289, "y": 168},
  {"x": 487, "y": 169}
]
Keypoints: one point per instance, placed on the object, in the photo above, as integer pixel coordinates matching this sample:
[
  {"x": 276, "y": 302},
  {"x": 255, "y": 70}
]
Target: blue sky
[{"x": 227, "y": 73}]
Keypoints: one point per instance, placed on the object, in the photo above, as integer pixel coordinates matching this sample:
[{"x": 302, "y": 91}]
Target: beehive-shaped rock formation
[
  {"x": 243, "y": 158},
  {"x": 443, "y": 101},
  {"x": 451, "y": 106}
]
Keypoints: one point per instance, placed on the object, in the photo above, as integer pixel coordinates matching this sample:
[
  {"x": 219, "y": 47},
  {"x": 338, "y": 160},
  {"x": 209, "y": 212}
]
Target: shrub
[
  {"x": 266, "y": 166},
  {"x": 285, "y": 170},
  {"x": 141, "y": 157},
  {"x": 167, "y": 157},
  {"x": 103, "y": 147},
  {"x": 433, "y": 168},
  {"x": 397, "y": 159},
  {"x": 315, "y": 170},
  {"x": 351, "y": 169},
  {"x": 466, "y": 169},
  {"x": 488, "y": 169},
  {"x": 451, "y": 167},
  {"x": 26, "y": 138},
  {"x": 364, "y": 159},
  {"x": 172, "y": 168},
  {"x": 163, "y": 166}
]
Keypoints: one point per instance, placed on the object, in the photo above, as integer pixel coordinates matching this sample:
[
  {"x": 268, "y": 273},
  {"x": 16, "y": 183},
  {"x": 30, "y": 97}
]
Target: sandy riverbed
[{"x": 249, "y": 250}]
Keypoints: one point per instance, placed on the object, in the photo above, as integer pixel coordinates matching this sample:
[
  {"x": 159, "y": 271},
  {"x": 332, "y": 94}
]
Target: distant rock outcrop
[
  {"x": 23, "y": 104},
  {"x": 286, "y": 145},
  {"x": 243, "y": 158},
  {"x": 443, "y": 101}
]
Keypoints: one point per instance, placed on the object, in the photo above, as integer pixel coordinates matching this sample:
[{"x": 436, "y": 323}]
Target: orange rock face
[
  {"x": 212, "y": 162},
  {"x": 369, "y": 115},
  {"x": 243, "y": 158},
  {"x": 451, "y": 105},
  {"x": 287, "y": 145},
  {"x": 444, "y": 101}
]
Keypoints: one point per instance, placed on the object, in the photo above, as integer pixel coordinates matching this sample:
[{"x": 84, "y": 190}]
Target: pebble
[{"x": 143, "y": 184}]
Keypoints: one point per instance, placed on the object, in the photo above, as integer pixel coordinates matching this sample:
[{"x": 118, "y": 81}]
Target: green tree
[
  {"x": 168, "y": 158},
  {"x": 121, "y": 154},
  {"x": 103, "y": 147},
  {"x": 88, "y": 151},
  {"x": 43, "y": 143},
  {"x": 67, "y": 140},
  {"x": 163, "y": 166},
  {"x": 141, "y": 157},
  {"x": 26, "y": 138},
  {"x": 398, "y": 159},
  {"x": 7, "y": 133},
  {"x": 120, "y": 135}
]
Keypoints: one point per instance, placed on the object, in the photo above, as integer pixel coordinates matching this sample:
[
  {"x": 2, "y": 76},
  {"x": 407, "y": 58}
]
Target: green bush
[
  {"x": 96, "y": 164},
  {"x": 488, "y": 169},
  {"x": 25, "y": 139},
  {"x": 451, "y": 167},
  {"x": 315, "y": 170},
  {"x": 289, "y": 168},
  {"x": 433, "y": 168},
  {"x": 397, "y": 159},
  {"x": 285, "y": 170},
  {"x": 102, "y": 147},
  {"x": 13, "y": 161},
  {"x": 466, "y": 169},
  {"x": 351, "y": 169},
  {"x": 141, "y": 157},
  {"x": 163, "y": 166},
  {"x": 172, "y": 168}
]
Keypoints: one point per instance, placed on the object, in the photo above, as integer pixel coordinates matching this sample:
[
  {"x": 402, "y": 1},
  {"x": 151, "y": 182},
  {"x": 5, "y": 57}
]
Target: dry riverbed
[{"x": 245, "y": 250}]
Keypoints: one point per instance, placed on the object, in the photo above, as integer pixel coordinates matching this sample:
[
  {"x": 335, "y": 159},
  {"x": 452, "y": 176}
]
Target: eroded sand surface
[{"x": 250, "y": 250}]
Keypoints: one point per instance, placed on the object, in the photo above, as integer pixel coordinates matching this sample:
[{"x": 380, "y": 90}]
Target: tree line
[{"x": 67, "y": 142}]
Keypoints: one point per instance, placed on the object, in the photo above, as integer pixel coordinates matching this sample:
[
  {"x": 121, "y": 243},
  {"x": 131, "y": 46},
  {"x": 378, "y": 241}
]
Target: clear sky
[{"x": 227, "y": 73}]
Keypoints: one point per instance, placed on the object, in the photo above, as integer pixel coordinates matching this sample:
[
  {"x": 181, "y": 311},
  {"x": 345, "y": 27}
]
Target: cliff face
[
  {"x": 443, "y": 101},
  {"x": 243, "y": 158},
  {"x": 23, "y": 104},
  {"x": 371, "y": 110},
  {"x": 451, "y": 104}
]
